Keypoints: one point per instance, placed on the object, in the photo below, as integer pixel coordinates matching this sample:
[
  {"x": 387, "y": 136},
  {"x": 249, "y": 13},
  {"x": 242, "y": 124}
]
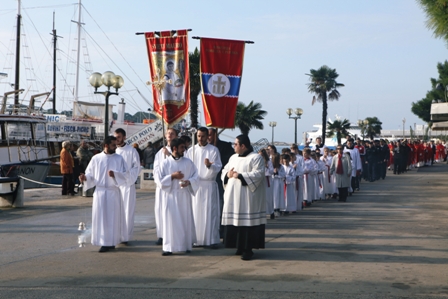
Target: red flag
[
  {"x": 221, "y": 71},
  {"x": 169, "y": 70}
]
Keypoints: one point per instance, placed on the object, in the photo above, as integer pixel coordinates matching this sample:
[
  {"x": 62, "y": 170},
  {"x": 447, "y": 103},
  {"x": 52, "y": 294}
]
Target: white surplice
[
  {"x": 278, "y": 181},
  {"x": 177, "y": 215},
  {"x": 106, "y": 207},
  {"x": 321, "y": 168},
  {"x": 158, "y": 159},
  {"x": 289, "y": 189},
  {"x": 245, "y": 205},
  {"x": 356, "y": 158},
  {"x": 309, "y": 173},
  {"x": 328, "y": 186},
  {"x": 128, "y": 194},
  {"x": 205, "y": 203},
  {"x": 299, "y": 181},
  {"x": 269, "y": 170}
]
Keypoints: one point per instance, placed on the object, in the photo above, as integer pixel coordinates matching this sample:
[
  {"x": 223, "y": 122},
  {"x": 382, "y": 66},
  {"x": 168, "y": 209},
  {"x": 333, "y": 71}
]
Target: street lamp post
[
  {"x": 108, "y": 79},
  {"x": 272, "y": 124},
  {"x": 298, "y": 112},
  {"x": 404, "y": 121}
]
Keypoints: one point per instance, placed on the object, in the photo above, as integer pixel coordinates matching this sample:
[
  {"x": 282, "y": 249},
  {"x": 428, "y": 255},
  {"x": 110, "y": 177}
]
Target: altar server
[{"x": 107, "y": 172}]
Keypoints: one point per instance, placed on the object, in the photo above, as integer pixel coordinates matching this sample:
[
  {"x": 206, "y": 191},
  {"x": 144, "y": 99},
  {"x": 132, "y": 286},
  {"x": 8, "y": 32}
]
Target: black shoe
[
  {"x": 103, "y": 249},
  {"x": 247, "y": 255},
  {"x": 308, "y": 204},
  {"x": 166, "y": 253},
  {"x": 214, "y": 246},
  {"x": 110, "y": 247},
  {"x": 159, "y": 241},
  {"x": 272, "y": 216},
  {"x": 239, "y": 252}
]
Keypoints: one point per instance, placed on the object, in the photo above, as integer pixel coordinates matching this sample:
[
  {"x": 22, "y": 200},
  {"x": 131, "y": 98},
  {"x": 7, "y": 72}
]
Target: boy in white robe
[
  {"x": 309, "y": 171},
  {"x": 106, "y": 171},
  {"x": 128, "y": 194},
  {"x": 278, "y": 178},
  {"x": 161, "y": 156},
  {"x": 268, "y": 171},
  {"x": 205, "y": 203},
  {"x": 298, "y": 184},
  {"x": 328, "y": 186},
  {"x": 320, "y": 176},
  {"x": 177, "y": 178},
  {"x": 289, "y": 192}
]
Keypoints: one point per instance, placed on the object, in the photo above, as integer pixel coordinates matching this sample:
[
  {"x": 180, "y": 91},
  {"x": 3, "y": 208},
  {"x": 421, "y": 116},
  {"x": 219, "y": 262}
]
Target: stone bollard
[
  {"x": 18, "y": 203},
  {"x": 11, "y": 192}
]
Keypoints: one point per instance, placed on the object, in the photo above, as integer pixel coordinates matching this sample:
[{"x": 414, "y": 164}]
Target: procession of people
[{"x": 210, "y": 191}]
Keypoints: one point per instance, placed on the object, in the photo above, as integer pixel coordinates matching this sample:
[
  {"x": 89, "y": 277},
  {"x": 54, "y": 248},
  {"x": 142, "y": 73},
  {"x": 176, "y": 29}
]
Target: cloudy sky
[{"x": 381, "y": 49}]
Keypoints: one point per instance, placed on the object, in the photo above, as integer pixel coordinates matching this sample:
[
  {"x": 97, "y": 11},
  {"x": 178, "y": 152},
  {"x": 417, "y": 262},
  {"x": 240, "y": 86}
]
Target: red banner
[
  {"x": 169, "y": 69},
  {"x": 221, "y": 71}
]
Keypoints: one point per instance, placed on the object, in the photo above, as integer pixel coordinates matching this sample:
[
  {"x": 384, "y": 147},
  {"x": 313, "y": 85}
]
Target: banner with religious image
[
  {"x": 169, "y": 70},
  {"x": 221, "y": 71}
]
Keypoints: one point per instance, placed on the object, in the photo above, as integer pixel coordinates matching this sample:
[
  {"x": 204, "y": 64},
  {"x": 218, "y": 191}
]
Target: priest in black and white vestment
[{"x": 244, "y": 212}]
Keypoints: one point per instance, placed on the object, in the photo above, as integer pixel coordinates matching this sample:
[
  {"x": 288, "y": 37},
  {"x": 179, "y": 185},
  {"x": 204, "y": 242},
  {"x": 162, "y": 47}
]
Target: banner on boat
[
  {"x": 169, "y": 70},
  {"x": 221, "y": 71}
]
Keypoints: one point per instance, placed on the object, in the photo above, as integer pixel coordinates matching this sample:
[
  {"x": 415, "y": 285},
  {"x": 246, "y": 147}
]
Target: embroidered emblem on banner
[{"x": 219, "y": 85}]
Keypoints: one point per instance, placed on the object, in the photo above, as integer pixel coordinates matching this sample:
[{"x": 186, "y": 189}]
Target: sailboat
[{"x": 23, "y": 144}]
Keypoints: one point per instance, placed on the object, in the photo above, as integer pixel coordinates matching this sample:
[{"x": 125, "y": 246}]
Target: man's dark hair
[
  {"x": 120, "y": 131},
  {"x": 244, "y": 139},
  {"x": 185, "y": 138},
  {"x": 108, "y": 140},
  {"x": 203, "y": 130},
  {"x": 176, "y": 142}
]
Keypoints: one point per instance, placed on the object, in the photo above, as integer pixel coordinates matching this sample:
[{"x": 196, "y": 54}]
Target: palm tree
[
  {"x": 195, "y": 86},
  {"x": 338, "y": 128},
  {"x": 324, "y": 86},
  {"x": 373, "y": 127},
  {"x": 436, "y": 13}
]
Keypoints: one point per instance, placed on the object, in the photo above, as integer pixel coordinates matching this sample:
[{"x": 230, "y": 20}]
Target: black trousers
[
  {"x": 67, "y": 183},
  {"x": 372, "y": 171},
  {"x": 244, "y": 238},
  {"x": 398, "y": 164},
  {"x": 343, "y": 193}
]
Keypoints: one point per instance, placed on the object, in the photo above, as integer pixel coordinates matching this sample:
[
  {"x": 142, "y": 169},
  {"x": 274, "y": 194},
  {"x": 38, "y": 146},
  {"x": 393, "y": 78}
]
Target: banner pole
[
  {"x": 246, "y": 41},
  {"x": 158, "y": 32}
]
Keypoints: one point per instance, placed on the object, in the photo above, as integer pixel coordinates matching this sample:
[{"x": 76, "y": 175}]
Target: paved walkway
[{"x": 388, "y": 241}]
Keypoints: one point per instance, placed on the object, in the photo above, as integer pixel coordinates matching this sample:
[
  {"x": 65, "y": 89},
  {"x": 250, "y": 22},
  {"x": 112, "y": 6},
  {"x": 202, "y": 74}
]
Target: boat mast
[
  {"x": 79, "y": 50},
  {"x": 17, "y": 77},
  {"x": 55, "y": 37}
]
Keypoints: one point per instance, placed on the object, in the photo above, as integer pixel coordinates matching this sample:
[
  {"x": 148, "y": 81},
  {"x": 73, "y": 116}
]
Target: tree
[
  {"x": 249, "y": 117},
  {"x": 373, "y": 127},
  {"x": 422, "y": 108},
  {"x": 324, "y": 86},
  {"x": 338, "y": 128},
  {"x": 195, "y": 86},
  {"x": 437, "y": 16}
]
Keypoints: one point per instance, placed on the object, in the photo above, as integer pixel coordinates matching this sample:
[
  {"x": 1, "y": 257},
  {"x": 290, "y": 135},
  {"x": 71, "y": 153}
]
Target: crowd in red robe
[{"x": 422, "y": 153}]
